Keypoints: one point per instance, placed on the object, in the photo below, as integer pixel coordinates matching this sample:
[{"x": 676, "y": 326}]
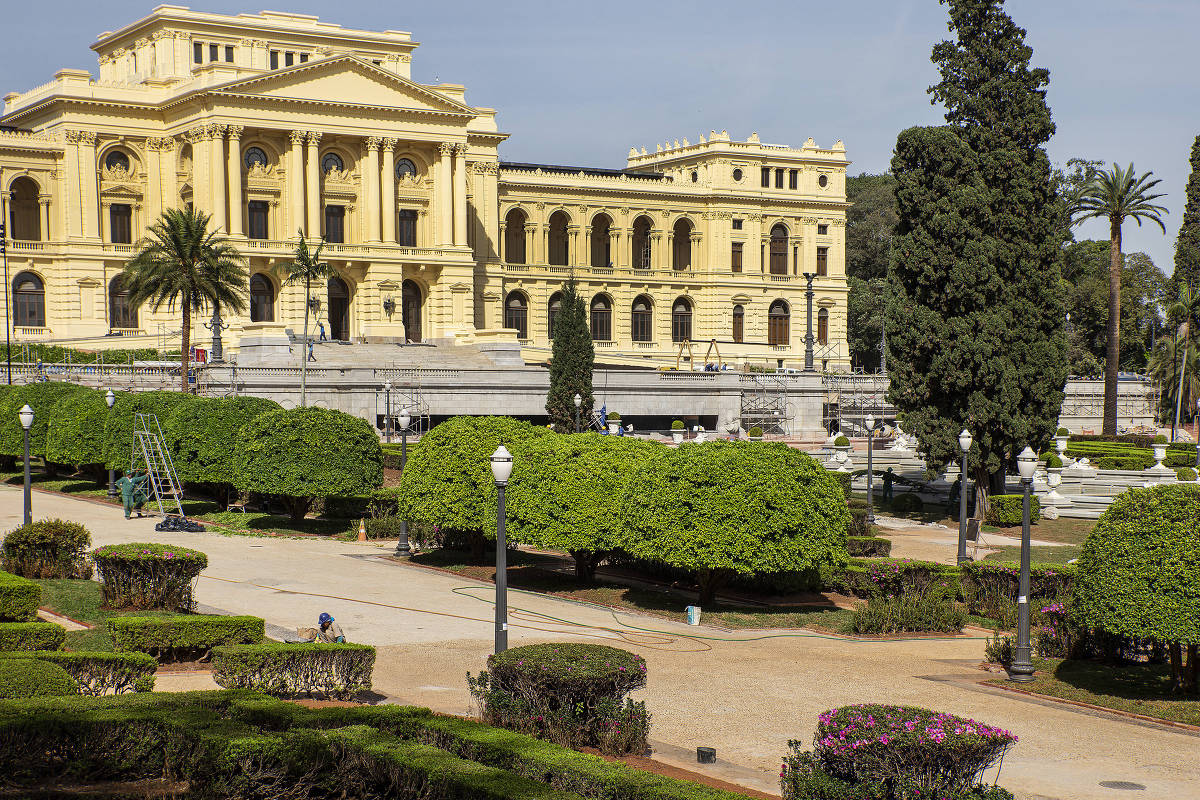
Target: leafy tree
[
  {"x": 1139, "y": 572},
  {"x": 306, "y": 268},
  {"x": 974, "y": 318},
  {"x": 300, "y": 454},
  {"x": 183, "y": 262},
  {"x": 42, "y": 398},
  {"x": 1187, "y": 244},
  {"x": 567, "y": 491},
  {"x": 118, "y": 425},
  {"x": 571, "y": 362},
  {"x": 76, "y": 433},
  {"x": 1117, "y": 195},
  {"x": 205, "y": 436},
  {"x": 870, "y": 227},
  {"x": 726, "y": 508}
]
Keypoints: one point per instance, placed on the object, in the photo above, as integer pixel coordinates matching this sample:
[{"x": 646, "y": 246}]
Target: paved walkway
[
  {"x": 744, "y": 694},
  {"x": 939, "y": 543}
]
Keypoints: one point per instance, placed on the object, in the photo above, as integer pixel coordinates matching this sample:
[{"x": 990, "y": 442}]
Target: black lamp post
[
  {"x": 387, "y": 412},
  {"x": 808, "y": 336},
  {"x": 578, "y": 403},
  {"x": 1198, "y": 434},
  {"x": 870, "y": 422},
  {"x": 216, "y": 326},
  {"x": 502, "y": 464},
  {"x": 26, "y": 417},
  {"x": 964, "y": 442},
  {"x": 1022, "y": 666},
  {"x": 7, "y": 318},
  {"x": 402, "y": 546},
  {"x": 109, "y": 399}
]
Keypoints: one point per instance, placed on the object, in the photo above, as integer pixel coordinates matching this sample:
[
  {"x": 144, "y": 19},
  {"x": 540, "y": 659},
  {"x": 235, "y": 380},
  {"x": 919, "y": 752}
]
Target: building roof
[{"x": 596, "y": 171}]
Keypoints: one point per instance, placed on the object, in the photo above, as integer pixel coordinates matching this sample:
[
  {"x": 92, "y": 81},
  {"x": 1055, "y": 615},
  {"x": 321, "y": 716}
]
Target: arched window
[
  {"x": 331, "y": 161},
  {"x": 681, "y": 245},
  {"x": 779, "y": 323},
  {"x": 601, "y": 319},
  {"x": 121, "y": 314},
  {"x": 559, "y": 251},
  {"x": 406, "y": 227},
  {"x": 601, "y": 242},
  {"x": 681, "y": 320},
  {"x": 552, "y": 312},
  {"x": 116, "y": 160},
  {"x": 516, "y": 314},
  {"x": 410, "y": 308},
  {"x": 642, "y": 319},
  {"x": 255, "y": 157},
  {"x": 779, "y": 248},
  {"x": 405, "y": 168},
  {"x": 514, "y": 236},
  {"x": 823, "y": 326},
  {"x": 29, "y": 301},
  {"x": 641, "y": 242},
  {"x": 262, "y": 299},
  {"x": 739, "y": 323},
  {"x": 25, "y": 221}
]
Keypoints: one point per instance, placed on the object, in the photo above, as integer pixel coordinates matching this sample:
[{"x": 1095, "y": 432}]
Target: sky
[{"x": 580, "y": 83}]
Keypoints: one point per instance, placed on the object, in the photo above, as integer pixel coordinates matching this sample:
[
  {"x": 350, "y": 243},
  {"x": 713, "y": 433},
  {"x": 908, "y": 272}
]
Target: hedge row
[
  {"x": 182, "y": 638},
  {"x": 42, "y": 398},
  {"x": 99, "y": 673},
  {"x": 1006, "y": 510},
  {"x": 31, "y": 636},
  {"x": 868, "y": 546},
  {"x": 148, "y": 575},
  {"x": 287, "y": 670},
  {"x": 29, "y": 677},
  {"x": 19, "y": 598},
  {"x": 48, "y": 548}
]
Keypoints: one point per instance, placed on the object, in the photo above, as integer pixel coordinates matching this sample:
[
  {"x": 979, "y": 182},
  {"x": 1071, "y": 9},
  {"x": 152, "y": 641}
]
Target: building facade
[{"x": 280, "y": 125}]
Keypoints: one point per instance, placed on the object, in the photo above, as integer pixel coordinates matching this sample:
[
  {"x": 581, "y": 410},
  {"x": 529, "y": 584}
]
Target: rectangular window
[
  {"x": 303, "y": 58},
  {"x": 793, "y": 178},
  {"x": 822, "y": 260},
  {"x": 288, "y": 59},
  {"x": 257, "y": 213},
  {"x": 735, "y": 258},
  {"x": 274, "y": 59},
  {"x": 766, "y": 177},
  {"x": 197, "y": 53},
  {"x": 213, "y": 51},
  {"x": 229, "y": 53},
  {"x": 778, "y": 178},
  {"x": 120, "y": 223},
  {"x": 335, "y": 224},
  {"x": 406, "y": 228},
  {"x": 737, "y": 224},
  {"x": 822, "y": 230}
]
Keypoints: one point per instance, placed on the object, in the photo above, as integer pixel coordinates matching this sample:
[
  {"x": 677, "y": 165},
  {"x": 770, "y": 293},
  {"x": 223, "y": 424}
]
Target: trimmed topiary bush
[
  {"x": 1053, "y": 461},
  {"x": 1185, "y": 474},
  {"x": 858, "y": 526},
  {"x": 844, "y": 480},
  {"x": 118, "y": 426},
  {"x": 183, "y": 638},
  {"x": 931, "y": 610},
  {"x": 1134, "y": 463},
  {"x": 31, "y": 636},
  {"x": 1139, "y": 571},
  {"x": 677, "y": 425},
  {"x": 755, "y": 432},
  {"x": 301, "y": 454},
  {"x": 908, "y": 502},
  {"x": 613, "y": 416},
  {"x": 41, "y": 397},
  {"x": 48, "y": 548},
  {"x": 146, "y": 575},
  {"x": 285, "y": 670},
  {"x": 1006, "y": 510},
  {"x": 100, "y": 673},
  {"x": 841, "y": 441},
  {"x": 1062, "y": 432},
  {"x": 571, "y": 694},
  {"x": 29, "y": 677},
  {"x": 204, "y": 437},
  {"x": 1161, "y": 439},
  {"x": 76, "y": 429},
  {"x": 19, "y": 598},
  {"x": 566, "y": 494},
  {"x": 726, "y": 508}
]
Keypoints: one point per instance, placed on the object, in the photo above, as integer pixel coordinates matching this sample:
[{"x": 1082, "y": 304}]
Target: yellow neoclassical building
[{"x": 280, "y": 125}]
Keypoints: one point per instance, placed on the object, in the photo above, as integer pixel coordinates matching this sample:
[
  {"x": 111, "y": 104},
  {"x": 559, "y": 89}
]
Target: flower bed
[{"x": 145, "y": 575}]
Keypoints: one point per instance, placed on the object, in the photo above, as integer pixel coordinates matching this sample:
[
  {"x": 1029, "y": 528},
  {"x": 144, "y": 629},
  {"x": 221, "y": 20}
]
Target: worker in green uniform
[{"x": 134, "y": 491}]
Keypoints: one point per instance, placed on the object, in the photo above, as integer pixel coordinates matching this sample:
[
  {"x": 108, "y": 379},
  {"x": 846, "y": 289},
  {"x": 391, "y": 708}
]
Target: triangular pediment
[{"x": 345, "y": 80}]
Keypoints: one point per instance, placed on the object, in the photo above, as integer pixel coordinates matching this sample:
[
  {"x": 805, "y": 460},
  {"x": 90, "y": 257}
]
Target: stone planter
[
  {"x": 1060, "y": 444},
  {"x": 1054, "y": 480},
  {"x": 1160, "y": 452},
  {"x": 612, "y": 427},
  {"x": 756, "y": 438},
  {"x": 677, "y": 437}
]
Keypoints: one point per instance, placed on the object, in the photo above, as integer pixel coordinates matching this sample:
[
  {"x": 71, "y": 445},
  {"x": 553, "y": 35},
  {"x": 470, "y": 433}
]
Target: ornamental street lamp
[
  {"x": 1198, "y": 434},
  {"x": 808, "y": 337},
  {"x": 964, "y": 442},
  {"x": 870, "y": 421},
  {"x": 502, "y": 464},
  {"x": 402, "y": 546},
  {"x": 387, "y": 414},
  {"x": 579, "y": 402},
  {"x": 26, "y": 417},
  {"x": 1022, "y": 666},
  {"x": 109, "y": 399}
]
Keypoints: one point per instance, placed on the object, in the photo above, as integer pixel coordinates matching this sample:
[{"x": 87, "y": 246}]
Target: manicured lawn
[
  {"x": 80, "y": 600},
  {"x": 1067, "y": 531},
  {"x": 1136, "y": 688}
]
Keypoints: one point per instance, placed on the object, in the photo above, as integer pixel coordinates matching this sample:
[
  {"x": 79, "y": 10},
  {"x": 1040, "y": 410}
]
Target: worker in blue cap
[{"x": 329, "y": 632}]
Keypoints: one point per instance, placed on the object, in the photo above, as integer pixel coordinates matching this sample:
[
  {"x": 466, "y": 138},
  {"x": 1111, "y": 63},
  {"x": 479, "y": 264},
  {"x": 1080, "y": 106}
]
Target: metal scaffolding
[
  {"x": 764, "y": 402},
  {"x": 849, "y": 397}
]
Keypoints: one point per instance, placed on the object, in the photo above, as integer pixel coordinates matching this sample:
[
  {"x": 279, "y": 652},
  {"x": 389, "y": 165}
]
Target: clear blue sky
[{"x": 579, "y": 83}]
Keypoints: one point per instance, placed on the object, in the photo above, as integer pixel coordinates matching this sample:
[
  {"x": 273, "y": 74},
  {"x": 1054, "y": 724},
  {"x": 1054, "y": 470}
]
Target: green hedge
[
  {"x": 28, "y": 677},
  {"x": 1006, "y": 510},
  {"x": 182, "y": 638},
  {"x": 41, "y": 397},
  {"x": 19, "y": 598},
  {"x": 31, "y": 636},
  {"x": 336, "y": 670},
  {"x": 1132, "y": 463},
  {"x": 48, "y": 548},
  {"x": 148, "y": 575},
  {"x": 868, "y": 546},
  {"x": 204, "y": 437},
  {"x": 118, "y": 427},
  {"x": 100, "y": 673},
  {"x": 868, "y": 577},
  {"x": 76, "y": 432}
]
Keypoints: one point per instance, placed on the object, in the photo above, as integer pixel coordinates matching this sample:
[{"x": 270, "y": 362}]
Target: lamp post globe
[
  {"x": 1022, "y": 666},
  {"x": 870, "y": 423},
  {"x": 26, "y": 417},
  {"x": 109, "y": 399},
  {"x": 578, "y": 402},
  {"x": 964, "y": 443},
  {"x": 405, "y": 419},
  {"x": 502, "y": 464}
]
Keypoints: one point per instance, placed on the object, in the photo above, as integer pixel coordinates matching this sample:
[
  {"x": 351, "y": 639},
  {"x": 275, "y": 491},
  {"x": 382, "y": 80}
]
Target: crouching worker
[{"x": 328, "y": 631}]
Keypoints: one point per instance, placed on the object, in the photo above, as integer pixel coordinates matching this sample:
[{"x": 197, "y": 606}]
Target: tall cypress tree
[
  {"x": 975, "y": 317},
  {"x": 571, "y": 362},
  {"x": 1187, "y": 245}
]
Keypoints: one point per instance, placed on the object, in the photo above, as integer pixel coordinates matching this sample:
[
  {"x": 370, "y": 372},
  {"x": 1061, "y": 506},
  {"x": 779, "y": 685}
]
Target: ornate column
[
  {"x": 312, "y": 180},
  {"x": 619, "y": 255},
  {"x": 388, "y": 190},
  {"x": 500, "y": 241},
  {"x": 460, "y": 195},
  {"x": 445, "y": 197},
  {"x": 295, "y": 183},
  {"x": 198, "y": 138},
  {"x": 584, "y": 258},
  {"x": 235, "y": 180},
  {"x": 572, "y": 243},
  {"x": 371, "y": 201},
  {"x": 44, "y": 202},
  {"x": 153, "y": 180},
  {"x": 89, "y": 184},
  {"x": 168, "y": 173},
  {"x": 695, "y": 255},
  {"x": 216, "y": 163}
]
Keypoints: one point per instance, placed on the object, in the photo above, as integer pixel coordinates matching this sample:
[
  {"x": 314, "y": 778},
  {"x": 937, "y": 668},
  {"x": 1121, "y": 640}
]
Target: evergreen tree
[
  {"x": 1187, "y": 246},
  {"x": 975, "y": 317},
  {"x": 571, "y": 362}
]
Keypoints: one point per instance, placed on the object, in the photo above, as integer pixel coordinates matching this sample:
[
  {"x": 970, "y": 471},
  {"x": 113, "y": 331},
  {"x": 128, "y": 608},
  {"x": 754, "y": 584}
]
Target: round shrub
[
  {"x": 1053, "y": 461},
  {"x": 1006, "y": 510},
  {"x": 841, "y": 441},
  {"x": 41, "y": 397},
  {"x": 31, "y": 636},
  {"x": 613, "y": 416},
  {"x": 1185, "y": 474},
  {"x": 31, "y": 677},
  {"x": 570, "y": 694},
  {"x": 726, "y": 508},
  {"x": 677, "y": 425},
  {"x": 48, "y": 548},
  {"x": 146, "y": 575},
  {"x": 204, "y": 437},
  {"x": 908, "y": 502},
  {"x": 118, "y": 426},
  {"x": 1062, "y": 432},
  {"x": 755, "y": 433},
  {"x": 1160, "y": 439},
  {"x": 304, "y": 453},
  {"x": 76, "y": 432}
]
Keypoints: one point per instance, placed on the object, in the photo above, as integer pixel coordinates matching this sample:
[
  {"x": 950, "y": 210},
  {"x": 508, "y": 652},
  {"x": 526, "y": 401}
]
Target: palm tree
[
  {"x": 306, "y": 268},
  {"x": 182, "y": 261},
  {"x": 1116, "y": 195}
]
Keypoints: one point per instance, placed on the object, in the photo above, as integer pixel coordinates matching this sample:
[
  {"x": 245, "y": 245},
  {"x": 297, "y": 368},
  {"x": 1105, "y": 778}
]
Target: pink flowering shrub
[
  {"x": 897, "y": 752},
  {"x": 144, "y": 575}
]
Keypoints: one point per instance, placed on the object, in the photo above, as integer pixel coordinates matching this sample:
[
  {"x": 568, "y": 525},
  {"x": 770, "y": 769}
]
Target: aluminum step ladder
[{"x": 151, "y": 454}]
